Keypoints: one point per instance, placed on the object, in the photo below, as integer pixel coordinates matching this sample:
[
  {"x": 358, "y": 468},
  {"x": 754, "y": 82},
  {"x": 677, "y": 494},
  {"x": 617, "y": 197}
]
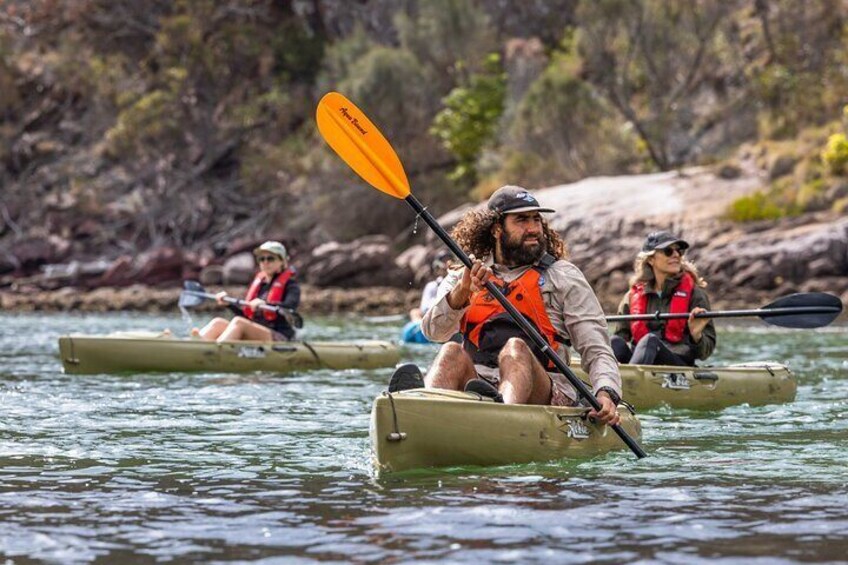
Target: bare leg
[
  {"x": 523, "y": 379},
  {"x": 212, "y": 330},
  {"x": 244, "y": 329},
  {"x": 451, "y": 369}
]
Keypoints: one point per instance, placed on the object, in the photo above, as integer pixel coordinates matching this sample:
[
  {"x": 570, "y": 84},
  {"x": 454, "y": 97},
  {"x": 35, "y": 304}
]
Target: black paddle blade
[
  {"x": 193, "y": 285},
  {"x": 189, "y": 300},
  {"x": 813, "y": 310}
]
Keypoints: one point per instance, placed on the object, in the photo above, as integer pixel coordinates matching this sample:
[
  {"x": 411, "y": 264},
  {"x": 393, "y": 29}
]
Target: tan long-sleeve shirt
[{"x": 571, "y": 305}]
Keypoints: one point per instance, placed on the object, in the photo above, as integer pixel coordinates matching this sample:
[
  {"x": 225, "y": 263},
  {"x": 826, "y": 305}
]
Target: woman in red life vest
[
  {"x": 276, "y": 285},
  {"x": 664, "y": 282}
]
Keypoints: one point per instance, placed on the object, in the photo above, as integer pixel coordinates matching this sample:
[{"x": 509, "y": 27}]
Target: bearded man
[{"x": 511, "y": 245}]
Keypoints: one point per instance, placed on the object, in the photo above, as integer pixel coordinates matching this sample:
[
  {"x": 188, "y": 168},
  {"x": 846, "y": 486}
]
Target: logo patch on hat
[{"x": 525, "y": 196}]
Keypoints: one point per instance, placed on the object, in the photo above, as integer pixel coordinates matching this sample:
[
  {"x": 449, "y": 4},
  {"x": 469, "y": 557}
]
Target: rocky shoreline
[
  {"x": 603, "y": 220},
  {"x": 373, "y": 301}
]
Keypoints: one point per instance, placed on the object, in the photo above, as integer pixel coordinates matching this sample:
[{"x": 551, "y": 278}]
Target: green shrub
[
  {"x": 835, "y": 154},
  {"x": 470, "y": 117},
  {"x": 840, "y": 205},
  {"x": 811, "y": 196},
  {"x": 449, "y": 37},
  {"x": 569, "y": 126},
  {"x": 150, "y": 118},
  {"x": 754, "y": 207}
]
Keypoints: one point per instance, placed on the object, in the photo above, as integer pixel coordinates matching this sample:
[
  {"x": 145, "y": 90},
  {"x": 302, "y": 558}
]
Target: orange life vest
[
  {"x": 486, "y": 326},
  {"x": 275, "y": 295},
  {"x": 674, "y": 329}
]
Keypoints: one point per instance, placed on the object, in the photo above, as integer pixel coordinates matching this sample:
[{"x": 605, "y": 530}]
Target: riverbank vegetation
[{"x": 126, "y": 126}]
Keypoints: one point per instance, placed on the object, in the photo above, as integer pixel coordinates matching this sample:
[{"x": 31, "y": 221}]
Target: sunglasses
[
  {"x": 669, "y": 251},
  {"x": 268, "y": 258}
]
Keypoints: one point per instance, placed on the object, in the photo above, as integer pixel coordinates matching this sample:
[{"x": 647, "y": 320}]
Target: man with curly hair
[{"x": 512, "y": 245}]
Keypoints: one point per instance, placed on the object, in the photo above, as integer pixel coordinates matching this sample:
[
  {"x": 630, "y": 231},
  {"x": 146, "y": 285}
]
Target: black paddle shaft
[
  {"x": 804, "y": 310},
  {"x": 528, "y": 329},
  {"x": 236, "y": 301},
  {"x": 291, "y": 316},
  {"x": 762, "y": 313}
]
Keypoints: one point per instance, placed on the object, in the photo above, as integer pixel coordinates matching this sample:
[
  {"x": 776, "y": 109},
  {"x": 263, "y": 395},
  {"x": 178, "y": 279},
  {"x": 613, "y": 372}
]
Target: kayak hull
[
  {"x": 438, "y": 428},
  {"x": 704, "y": 388},
  {"x": 147, "y": 352}
]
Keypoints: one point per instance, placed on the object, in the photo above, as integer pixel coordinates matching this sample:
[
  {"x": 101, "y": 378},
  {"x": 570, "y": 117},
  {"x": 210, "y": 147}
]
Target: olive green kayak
[
  {"x": 440, "y": 428},
  {"x": 157, "y": 352},
  {"x": 704, "y": 388}
]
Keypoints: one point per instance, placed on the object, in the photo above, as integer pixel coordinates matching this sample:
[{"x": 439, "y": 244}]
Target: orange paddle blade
[{"x": 361, "y": 145}]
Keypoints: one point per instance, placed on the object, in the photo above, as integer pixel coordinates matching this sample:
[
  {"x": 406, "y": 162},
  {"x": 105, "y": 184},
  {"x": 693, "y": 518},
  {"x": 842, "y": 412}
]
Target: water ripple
[{"x": 276, "y": 468}]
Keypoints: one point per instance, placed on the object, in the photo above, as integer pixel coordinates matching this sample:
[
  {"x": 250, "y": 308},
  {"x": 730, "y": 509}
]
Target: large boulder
[
  {"x": 212, "y": 275},
  {"x": 239, "y": 269},
  {"x": 161, "y": 266},
  {"x": 418, "y": 259},
  {"x": 32, "y": 253},
  {"x": 119, "y": 273},
  {"x": 367, "y": 261}
]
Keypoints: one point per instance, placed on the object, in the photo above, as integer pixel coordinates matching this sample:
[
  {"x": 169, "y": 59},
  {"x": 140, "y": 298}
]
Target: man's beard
[{"x": 517, "y": 253}]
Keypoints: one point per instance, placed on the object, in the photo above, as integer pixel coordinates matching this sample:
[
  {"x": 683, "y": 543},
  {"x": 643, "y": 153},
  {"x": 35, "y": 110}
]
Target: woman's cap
[
  {"x": 274, "y": 247},
  {"x": 662, "y": 239}
]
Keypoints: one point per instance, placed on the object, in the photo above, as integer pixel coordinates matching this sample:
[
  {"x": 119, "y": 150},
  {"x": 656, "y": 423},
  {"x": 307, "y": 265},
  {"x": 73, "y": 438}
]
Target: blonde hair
[{"x": 643, "y": 272}]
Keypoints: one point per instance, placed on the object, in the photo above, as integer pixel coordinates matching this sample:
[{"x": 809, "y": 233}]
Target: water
[{"x": 275, "y": 469}]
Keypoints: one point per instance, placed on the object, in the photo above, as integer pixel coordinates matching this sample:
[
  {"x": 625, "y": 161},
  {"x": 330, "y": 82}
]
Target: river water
[{"x": 275, "y": 468}]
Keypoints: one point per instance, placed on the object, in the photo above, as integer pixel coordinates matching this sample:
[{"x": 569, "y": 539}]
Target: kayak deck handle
[
  {"x": 705, "y": 376},
  {"x": 73, "y": 359},
  {"x": 396, "y": 435}
]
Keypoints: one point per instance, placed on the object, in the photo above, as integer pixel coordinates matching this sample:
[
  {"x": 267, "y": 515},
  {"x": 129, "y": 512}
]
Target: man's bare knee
[
  {"x": 451, "y": 368},
  {"x": 515, "y": 348},
  {"x": 452, "y": 350}
]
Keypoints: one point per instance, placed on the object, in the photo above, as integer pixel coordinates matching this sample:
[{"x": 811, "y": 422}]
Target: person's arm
[
  {"x": 622, "y": 329},
  {"x": 586, "y": 325},
  {"x": 291, "y": 299},
  {"x": 441, "y": 321},
  {"x": 428, "y": 295},
  {"x": 706, "y": 342}
]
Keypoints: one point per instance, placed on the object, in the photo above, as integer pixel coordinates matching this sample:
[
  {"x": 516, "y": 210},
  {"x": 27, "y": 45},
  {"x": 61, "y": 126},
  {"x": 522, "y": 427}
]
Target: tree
[{"x": 657, "y": 63}]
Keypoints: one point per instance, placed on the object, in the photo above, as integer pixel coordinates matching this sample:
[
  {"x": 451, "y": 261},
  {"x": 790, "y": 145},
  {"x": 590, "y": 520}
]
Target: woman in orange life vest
[
  {"x": 275, "y": 284},
  {"x": 664, "y": 282}
]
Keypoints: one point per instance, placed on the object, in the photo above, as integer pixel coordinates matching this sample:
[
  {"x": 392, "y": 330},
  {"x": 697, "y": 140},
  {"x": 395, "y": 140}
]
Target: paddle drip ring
[{"x": 417, "y": 217}]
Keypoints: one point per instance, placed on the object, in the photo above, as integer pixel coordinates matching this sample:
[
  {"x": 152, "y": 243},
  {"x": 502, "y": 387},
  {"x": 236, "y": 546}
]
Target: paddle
[
  {"x": 361, "y": 145},
  {"x": 193, "y": 294},
  {"x": 802, "y": 310}
]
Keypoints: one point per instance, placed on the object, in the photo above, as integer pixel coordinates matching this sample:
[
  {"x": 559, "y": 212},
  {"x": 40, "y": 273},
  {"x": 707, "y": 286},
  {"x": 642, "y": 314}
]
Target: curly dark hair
[{"x": 473, "y": 233}]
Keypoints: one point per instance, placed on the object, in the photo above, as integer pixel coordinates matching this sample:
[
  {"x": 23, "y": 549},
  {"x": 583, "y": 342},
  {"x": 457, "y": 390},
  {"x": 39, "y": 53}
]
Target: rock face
[
  {"x": 740, "y": 266},
  {"x": 365, "y": 301},
  {"x": 365, "y": 262},
  {"x": 605, "y": 220},
  {"x": 238, "y": 269}
]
